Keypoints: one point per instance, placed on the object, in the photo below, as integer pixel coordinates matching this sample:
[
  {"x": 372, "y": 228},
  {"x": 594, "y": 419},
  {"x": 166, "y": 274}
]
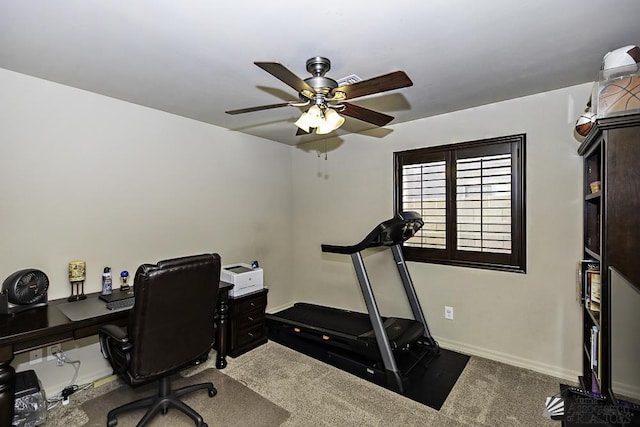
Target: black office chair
[{"x": 171, "y": 326}]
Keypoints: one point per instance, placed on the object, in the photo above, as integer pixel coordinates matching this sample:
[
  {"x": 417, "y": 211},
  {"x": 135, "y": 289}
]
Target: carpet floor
[
  {"x": 235, "y": 405},
  {"x": 303, "y": 391}
]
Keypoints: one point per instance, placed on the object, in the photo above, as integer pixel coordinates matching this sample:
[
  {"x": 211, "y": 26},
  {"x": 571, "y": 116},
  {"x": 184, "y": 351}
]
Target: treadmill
[{"x": 384, "y": 350}]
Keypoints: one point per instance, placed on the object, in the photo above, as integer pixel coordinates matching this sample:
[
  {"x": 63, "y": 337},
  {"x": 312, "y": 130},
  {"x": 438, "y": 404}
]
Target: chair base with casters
[{"x": 165, "y": 399}]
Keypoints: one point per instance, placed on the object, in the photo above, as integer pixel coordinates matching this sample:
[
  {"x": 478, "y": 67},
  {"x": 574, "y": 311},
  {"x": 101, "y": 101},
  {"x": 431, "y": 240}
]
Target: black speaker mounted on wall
[{"x": 24, "y": 290}]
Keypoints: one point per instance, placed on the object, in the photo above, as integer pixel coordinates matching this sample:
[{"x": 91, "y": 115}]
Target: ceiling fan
[{"x": 326, "y": 98}]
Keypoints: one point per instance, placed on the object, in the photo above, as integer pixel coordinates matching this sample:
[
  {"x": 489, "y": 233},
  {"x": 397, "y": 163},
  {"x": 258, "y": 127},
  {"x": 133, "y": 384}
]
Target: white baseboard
[
  {"x": 272, "y": 310},
  {"x": 565, "y": 374}
]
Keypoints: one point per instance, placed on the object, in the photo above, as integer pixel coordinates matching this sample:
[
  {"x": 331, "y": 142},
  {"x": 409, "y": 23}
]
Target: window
[{"x": 471, "y": 198}]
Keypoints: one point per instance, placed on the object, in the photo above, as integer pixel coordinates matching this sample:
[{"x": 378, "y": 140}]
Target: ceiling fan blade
[
  {"x": 283, "y": 74},
  {"x": 365, "y": 114},
  {"x": 260, "y": 108},
  {"x": 391, "y": 81}
]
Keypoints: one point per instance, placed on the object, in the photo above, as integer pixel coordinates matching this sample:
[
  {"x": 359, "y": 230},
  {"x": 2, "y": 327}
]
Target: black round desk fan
[{"x": 23, "y": 290}]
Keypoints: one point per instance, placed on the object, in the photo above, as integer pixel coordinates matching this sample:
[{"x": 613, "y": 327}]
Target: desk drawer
[
  {"x": 249, "y": 320},
  {"x": 251, "y": 335},
  {"x": 250, "y": 303}
]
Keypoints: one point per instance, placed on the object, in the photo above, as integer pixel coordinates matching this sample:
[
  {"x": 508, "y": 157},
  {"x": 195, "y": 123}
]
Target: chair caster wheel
[
  {"x": 204, "y": 425},
  {"x": 213, "y": 392},
  {"x": 164, "y": 411},
  {"x": 112, "y": 422}
]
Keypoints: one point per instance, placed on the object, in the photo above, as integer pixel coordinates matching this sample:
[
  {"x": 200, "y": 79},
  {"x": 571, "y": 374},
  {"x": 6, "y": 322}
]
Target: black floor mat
[
  {"x": 432, "y": 386},
  {"x": 429, "y": 386}
]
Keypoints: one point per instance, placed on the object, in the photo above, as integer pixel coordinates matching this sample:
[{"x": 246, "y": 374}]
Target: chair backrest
[{"x": 172, "y": 321}]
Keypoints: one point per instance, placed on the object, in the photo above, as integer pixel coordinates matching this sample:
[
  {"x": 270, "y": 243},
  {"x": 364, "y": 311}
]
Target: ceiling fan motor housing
[{"x": 318, "y": 67}]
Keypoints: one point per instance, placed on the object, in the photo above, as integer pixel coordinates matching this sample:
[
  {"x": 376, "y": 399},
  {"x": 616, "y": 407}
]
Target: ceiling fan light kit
[
  {"x": 332, "y": 121},
  {"x": 327, "y": 95},
  {"x": 324, "y": 120},
  {"x": 304, "y": 123},
  {"x": 311, "y": 119}
]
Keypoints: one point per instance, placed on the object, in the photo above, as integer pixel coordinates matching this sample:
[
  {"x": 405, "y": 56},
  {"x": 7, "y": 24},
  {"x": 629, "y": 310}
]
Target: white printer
[{"x": 244, "y": 278}]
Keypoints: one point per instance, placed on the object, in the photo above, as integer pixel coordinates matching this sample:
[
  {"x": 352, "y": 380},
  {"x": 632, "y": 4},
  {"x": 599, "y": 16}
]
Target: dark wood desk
[{"x": 45, "y": 326}]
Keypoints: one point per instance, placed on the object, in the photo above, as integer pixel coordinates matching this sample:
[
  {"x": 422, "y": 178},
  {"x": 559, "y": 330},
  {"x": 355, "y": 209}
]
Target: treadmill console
[
  {"x": 391, "y": 232},
  {"x": 399, "y": 229}
]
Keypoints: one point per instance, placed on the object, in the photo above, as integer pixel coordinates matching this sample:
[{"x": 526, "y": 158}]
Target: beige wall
[
  {"x": 116, "y": 184},
  {"x": 529, "y": 320},
  {"x": 88, "y": 177}
]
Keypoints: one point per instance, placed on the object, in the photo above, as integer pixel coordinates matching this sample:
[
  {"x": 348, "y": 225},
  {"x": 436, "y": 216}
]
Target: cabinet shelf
[
  {"x": 610, "y": 153},
  {"x": 592, "y": 254},
  {"x": 587, "y": 351},
  {"x": 593, "y": 197},
  {"x": 595, "y": 317}
]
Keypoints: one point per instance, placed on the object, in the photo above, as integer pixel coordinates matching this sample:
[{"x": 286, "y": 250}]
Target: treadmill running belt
[{"x": 328, "y": 318}]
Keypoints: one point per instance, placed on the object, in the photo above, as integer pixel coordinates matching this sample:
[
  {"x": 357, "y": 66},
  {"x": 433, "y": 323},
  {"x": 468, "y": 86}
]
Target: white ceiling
[{"x": 195, "y": 58}]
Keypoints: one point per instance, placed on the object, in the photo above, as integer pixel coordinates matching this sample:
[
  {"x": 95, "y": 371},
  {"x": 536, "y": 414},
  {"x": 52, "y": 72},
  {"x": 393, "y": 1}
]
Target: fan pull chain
[{"x": 325, "y": 151}]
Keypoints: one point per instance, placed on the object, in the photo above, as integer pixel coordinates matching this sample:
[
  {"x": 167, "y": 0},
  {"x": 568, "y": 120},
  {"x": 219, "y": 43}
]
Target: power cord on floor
[{"x": 63, "y": 396}]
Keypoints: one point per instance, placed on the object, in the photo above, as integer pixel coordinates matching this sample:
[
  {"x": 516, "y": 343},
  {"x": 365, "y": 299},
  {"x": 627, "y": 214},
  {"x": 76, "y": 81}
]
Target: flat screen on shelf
[{"x": 625, "y": 338}]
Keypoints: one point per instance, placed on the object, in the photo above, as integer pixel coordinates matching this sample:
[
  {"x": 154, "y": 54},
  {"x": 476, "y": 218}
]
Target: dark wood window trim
[{"x": 452, "y": 155}]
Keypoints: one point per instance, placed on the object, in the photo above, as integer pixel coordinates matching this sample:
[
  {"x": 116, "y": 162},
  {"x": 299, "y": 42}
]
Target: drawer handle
[
  {"x": 250, "y": 334},
  {"x": 252, "y": 304},
  {"x": 251, "y": 319}
]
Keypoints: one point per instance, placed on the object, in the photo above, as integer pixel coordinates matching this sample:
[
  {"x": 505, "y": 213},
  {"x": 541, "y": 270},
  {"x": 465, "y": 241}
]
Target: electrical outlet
[
  {"x": 35, "y": 356},
  {"x": 448, "y": 312},
  {"x": 52, "y": 350}
]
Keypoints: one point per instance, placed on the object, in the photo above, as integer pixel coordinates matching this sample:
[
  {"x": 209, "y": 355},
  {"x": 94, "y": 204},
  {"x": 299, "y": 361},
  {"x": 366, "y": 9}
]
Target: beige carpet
[
  {"x": 235, "y": 405},
  {"x": 487, "y": 394}
]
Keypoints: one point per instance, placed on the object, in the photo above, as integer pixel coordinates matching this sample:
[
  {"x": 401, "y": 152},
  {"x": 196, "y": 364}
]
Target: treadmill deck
[{"x": 348, "y": 325}]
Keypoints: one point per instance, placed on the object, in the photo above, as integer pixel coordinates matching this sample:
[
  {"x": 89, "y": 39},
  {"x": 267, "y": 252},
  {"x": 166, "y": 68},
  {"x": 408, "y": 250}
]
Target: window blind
[
  {"x": 483, "y": 203},
  {"x": 424, "y": 191}
]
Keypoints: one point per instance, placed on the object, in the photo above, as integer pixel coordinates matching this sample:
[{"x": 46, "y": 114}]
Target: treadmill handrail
[{"x": 388, "y": 233}]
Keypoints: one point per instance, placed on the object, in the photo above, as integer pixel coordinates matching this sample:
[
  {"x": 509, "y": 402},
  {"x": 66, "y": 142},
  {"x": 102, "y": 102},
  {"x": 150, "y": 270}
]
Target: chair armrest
[
  {"x": 115, "y": 332},
  {"x": 115, "y": 347}
]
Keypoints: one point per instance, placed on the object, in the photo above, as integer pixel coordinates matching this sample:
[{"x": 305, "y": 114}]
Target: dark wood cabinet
[
  {"x": 247, "y": 327},
  {"x": 611, "y": 215}
]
